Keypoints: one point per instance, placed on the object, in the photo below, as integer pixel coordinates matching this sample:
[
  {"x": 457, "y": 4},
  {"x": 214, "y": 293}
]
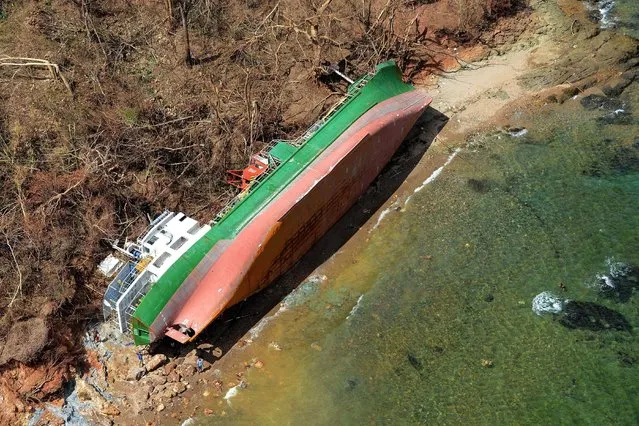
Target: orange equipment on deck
[{"x": 242, "y": 178}]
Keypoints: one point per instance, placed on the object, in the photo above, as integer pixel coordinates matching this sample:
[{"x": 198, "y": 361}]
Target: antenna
[{"x": 338, "y": 72}]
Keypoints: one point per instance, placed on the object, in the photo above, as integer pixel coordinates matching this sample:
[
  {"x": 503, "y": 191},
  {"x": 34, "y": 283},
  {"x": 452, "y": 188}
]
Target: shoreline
[
  {"x": 484, "y": 108},
  {"x": 448, "y": 98}
]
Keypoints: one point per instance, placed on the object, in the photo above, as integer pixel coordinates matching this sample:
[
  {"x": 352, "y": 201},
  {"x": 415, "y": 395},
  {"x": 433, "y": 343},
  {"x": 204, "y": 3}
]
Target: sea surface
[
  {"x": 432, "y": 322},
  {"x": 620, "y": 14},
  {"x": 627, "y": 12}
]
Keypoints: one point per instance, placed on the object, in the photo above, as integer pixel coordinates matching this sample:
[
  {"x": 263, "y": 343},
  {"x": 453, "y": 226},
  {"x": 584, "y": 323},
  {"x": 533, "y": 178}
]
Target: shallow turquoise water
[
  {"x": 401, "y": 335},
  {"x": 627, "y": 12}
]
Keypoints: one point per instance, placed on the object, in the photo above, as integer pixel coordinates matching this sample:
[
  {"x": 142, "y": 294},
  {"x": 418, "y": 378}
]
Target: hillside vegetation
[{"x": 121, "y": 118}]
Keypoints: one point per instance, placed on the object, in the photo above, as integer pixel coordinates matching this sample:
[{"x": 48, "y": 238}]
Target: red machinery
[{"x": 242, "y": 178}]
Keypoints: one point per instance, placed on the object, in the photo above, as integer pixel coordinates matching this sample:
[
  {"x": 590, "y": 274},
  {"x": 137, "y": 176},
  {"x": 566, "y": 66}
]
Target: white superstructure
[{"x": 168, "y": 237}]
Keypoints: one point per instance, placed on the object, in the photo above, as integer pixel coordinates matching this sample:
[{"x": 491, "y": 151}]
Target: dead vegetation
[{"x": 110, "y": 125}]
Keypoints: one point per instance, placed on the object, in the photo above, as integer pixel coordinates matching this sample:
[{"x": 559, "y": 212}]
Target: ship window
[
  {"x": 194, "y": 229},
  {"x": 183, "y": 218},
  {"x": 152, "y": 240},
  {"x": 160, "y": 260},
  {"x": 179, "y": 243}
]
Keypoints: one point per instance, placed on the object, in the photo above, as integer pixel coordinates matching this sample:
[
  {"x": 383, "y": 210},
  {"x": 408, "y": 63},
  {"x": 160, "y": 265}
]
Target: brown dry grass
[{"x": 142, "y": 132}]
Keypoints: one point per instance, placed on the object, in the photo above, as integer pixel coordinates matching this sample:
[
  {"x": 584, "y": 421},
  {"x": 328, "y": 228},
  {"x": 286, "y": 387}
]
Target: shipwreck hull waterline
[
  {"x": 183, "y": 274},
  {"x": 278, "y": 237}
]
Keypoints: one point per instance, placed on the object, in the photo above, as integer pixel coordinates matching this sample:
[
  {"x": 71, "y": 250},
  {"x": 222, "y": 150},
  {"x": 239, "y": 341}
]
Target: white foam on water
[
  {"x": 257, "y": 328},
  {"x": 546, "y": 302},
  {"x": 428, "y": 180},
  {"x": 605, "y": 9},
  {"x": 231, "y": 393},
  {"x": 383, "y": 214},
  {"x": 437, "y": 172},
  {"x": 518, "y": 133},
  {"x": 356, "y": 307},
  {"x": 606, "y": 280},
  {"x": 615, "y": 270}
]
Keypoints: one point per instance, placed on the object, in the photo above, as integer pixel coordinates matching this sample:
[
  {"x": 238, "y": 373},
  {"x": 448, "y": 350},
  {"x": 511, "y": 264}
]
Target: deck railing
[{"x": 353, "y": 90}]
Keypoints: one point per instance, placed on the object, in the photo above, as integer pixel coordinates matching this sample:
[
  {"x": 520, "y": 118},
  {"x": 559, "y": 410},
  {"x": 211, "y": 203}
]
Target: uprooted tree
[{"x": 142, "y": 132}]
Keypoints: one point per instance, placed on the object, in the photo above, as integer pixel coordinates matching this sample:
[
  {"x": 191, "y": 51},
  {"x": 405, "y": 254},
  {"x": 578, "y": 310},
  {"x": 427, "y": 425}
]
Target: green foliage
[{"x": 130, "y": 116}]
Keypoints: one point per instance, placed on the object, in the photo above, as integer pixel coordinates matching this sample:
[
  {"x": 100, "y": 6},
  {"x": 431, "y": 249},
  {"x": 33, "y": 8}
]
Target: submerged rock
[
  {"x": 591, "y": 316},
  {"x": 618, "y": 116},
  {"x": 487, "y": 363},
  {"x": 592, "y": 102},
  {"x": 626, "y": 359},
  {"x": 480, "y": 186},
  {"x": 517, "y": 132},
  {"x": 351, "y": 384},
  {"x": 616, "y": 86},
  {"x": 417, "y": 365},
  {"x": 619, "y": 283}
]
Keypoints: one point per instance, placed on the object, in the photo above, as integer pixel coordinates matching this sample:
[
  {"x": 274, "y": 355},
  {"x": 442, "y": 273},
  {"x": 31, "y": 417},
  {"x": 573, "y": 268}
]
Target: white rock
[{"x": 546, "y": 302}]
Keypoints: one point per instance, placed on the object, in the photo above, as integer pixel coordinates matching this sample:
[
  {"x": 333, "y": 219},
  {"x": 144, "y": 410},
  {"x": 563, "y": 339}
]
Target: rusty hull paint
[{"x": 278, "y": 237}]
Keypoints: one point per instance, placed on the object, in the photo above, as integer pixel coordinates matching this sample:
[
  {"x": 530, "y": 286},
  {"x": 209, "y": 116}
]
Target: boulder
[
  {"x": 186, "y": 370},
  {"x": 25, "y": 340},
  {"x": 138, "y": 398},
  {"x": 136, "y": 373},
  {"x": 594, "y": 101},
  {"x": 205, "y": 347},
  {"x": 155, "y": 380},
  {"x": 174, "y": 389},
  {"x": 87, "y": 393},
  {"x": 110, "y": 410},
  {"x": 120, "y": 362},
  {"x": 616, "y": 86},
  {"x": 168, "y": 368},
  {"x": 155, "y": 362},
  {"x": 617, "y": 117},
  {"x": 631, "y": 75},
  {"x": 173, "y": 376},
  {"x": 190, "y": 359}
]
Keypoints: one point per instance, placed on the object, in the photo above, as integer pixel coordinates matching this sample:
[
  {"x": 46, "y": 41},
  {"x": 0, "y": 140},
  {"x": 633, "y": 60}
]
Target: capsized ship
[{"x": 181, "y": 274}]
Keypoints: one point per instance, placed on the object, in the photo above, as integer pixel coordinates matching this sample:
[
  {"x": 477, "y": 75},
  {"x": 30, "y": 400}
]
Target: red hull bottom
[{"x": 287, "y": 228}]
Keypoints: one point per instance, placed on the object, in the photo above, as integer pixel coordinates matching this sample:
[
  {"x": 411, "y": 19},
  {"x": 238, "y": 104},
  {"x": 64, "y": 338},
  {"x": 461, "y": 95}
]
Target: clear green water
[
  {"x": 549, "y": 207},
  {"x": 627, "y": 12}
]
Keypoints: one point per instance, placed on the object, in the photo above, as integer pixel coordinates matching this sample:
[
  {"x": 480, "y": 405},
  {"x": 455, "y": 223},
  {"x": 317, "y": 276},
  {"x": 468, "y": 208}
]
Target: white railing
[{"x": 299, "y": 141}]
